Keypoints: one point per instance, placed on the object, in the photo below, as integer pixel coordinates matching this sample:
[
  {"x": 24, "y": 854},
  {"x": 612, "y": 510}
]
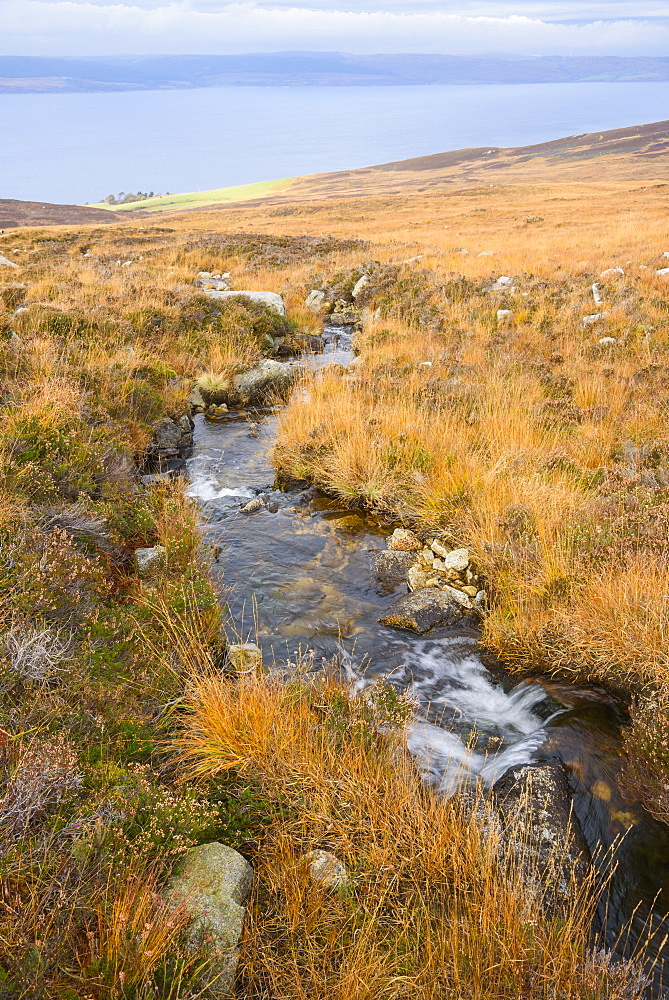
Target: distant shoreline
[{"x": 33, "y": 74}]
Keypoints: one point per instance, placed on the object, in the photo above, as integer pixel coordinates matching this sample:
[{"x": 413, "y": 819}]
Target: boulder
[
  {"x": 148, "y": 560},
  {"x": 315, "y": 300},
  {"x": 214, "y": 885},
  {"x": 196, "y": 401},
  {"x": 244, "y": 656},
  {"x": 359, "y": 285},
  {"x": 7, "y": 263},
  {"x": 389, "y": 566},
  {"x": 542, "y": 833},
  {"x": 266, "y": 379},
  {"x": 427, "y": 608},
  {"x": 269, "y": 299},
  {"x": 166, "y": 439},
  {"x": 404, "y": 540}
]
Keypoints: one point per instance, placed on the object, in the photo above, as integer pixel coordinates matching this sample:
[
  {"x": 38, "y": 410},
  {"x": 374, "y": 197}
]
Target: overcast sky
[{"x": 109, "y": 27}]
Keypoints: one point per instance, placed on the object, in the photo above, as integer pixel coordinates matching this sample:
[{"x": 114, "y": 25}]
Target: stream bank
[{"x": 296, "y": 575}]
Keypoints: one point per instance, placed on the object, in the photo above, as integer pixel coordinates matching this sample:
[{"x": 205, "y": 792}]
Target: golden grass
[{"x": 431, "y": 911}]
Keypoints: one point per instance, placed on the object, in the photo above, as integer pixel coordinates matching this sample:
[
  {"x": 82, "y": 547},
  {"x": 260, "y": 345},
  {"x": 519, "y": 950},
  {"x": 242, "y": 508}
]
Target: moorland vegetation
[{"x": 491, "y": 414}]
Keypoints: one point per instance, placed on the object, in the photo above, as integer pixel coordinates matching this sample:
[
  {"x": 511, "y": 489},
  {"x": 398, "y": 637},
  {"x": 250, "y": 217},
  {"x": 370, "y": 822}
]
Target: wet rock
[
  {"x": 327, "y": 870},
  {"x": 404, "y": 540},
  {"x": 214, "y": 885},
  {"x": 270, "y": 299},
  {"x": 217, "y": 410},
  {"x": 389, "y": 566},
  {"x": 428, "y": 608},
  {"x": 244, "y": 656},
  {"x": 253, "y": 505},
  {"x": 148, "y": 560},
  {"x": 542, "y": 832}
]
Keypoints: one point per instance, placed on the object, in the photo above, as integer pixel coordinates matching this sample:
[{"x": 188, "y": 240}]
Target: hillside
[
  {"x": 638, "y": 153},
  {"x": 37, "y": 213}
]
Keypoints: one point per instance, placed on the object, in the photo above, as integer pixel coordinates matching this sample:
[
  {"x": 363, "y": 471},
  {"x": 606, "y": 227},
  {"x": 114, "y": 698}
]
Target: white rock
[
  {"x": 486, "y": 253},
  {"x": 439, "y": 549},
  {"x": 7, "y": 263},
  {"x": 270, "y": 299},
  {"x": 457, "y": 560},
  {"x": 147, "y": 560},
  {"x": 607, "y": 341},
  {"x": 314, "y": 300},
  {"x": 597, "y": 293},
  {"x": 611, "y": 271},
  {"x": 244, "y": 656},
  {"x": 503, "y": 314},
  {"x": 457, "y": 596},
  {"x": 503, "y": 282},
  {"x": 663, "y": 270},
  {"x": 593, "y": 318},
  {"x": 359, "y": 285}
]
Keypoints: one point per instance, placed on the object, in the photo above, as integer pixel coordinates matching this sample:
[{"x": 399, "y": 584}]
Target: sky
[{"x": 114, "y": 27}]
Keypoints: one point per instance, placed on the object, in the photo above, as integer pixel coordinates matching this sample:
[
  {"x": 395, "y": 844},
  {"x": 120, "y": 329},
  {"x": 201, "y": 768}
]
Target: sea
[{"x": 80, "y": 147}]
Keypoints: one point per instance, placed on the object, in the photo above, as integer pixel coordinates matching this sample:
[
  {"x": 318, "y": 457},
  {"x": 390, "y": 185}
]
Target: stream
[{"x": 296, "y": 578}]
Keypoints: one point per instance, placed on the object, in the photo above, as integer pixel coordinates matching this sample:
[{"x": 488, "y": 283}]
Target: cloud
[{"x": 69, "y": 27}]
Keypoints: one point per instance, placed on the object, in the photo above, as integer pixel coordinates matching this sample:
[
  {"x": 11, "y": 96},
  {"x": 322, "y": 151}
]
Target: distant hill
[
  {"x": 21, "y": 74},
  {"x": 638, "y": 153},
  {"x": 38, "y": 213}
]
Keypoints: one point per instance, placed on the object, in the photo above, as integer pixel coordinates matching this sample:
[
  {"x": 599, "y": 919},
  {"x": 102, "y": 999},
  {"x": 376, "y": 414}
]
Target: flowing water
[{"x": 296, "y": 577}]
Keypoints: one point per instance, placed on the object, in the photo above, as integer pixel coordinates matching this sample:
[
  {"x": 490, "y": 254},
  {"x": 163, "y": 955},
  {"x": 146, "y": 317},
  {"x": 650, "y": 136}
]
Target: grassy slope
[{"x": 202, "y": 199}]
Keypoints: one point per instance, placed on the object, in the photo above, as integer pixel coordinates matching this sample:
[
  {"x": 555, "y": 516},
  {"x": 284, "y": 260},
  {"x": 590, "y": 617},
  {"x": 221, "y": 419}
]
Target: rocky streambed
[{"x": 305, "y": 577}]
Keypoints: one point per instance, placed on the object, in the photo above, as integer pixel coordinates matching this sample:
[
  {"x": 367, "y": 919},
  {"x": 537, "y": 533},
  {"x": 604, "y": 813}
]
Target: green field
[{"x": 201, "y": 199}]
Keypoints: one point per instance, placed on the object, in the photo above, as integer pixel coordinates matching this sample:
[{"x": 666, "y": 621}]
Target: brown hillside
[{"x": 38, "y": 213}]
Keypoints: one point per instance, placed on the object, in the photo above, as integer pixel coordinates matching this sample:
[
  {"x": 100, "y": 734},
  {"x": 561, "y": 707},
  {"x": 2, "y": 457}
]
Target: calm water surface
[{"x": 81, "y": 147}]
